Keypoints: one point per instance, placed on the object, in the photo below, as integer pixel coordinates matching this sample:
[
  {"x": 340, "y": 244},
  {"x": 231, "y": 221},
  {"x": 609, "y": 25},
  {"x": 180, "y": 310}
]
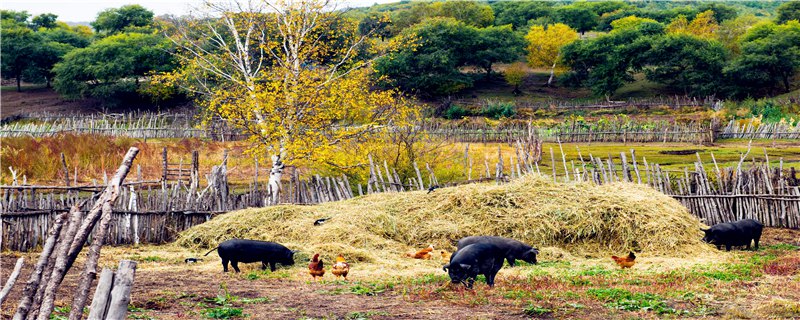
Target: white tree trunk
[
  {"x": 552, "y": 75},
  {"x": 274, "y": 184}
]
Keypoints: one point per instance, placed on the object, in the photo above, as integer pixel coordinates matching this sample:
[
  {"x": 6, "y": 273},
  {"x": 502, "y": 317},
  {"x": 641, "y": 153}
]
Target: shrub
[
  {"x": 456, "y": 112},
  {"x": 499, "y": 110}
]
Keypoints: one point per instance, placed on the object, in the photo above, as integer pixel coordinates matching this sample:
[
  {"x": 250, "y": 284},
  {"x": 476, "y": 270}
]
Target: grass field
[{"x": 39, "y": 158}]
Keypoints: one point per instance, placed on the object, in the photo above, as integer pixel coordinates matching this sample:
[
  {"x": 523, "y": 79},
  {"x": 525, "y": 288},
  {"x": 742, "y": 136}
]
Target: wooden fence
[
  {"x": 155, "y": 211},
  {"x": 151, "y": 125},
  {"x": 620, "y": 131},
  {"x": 589, "y": 104}
]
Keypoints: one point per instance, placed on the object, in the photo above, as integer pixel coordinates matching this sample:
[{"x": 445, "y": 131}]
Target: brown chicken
[
  {"x": 315, "y": 267},
  {"x": 340, "y": 268},
  {"x": 626, "y": 262},
  {"x": 445, "y": 255},
  {"x": 422, "y": 254}
]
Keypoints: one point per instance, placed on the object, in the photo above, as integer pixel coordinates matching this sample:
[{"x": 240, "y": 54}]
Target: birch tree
[
  {"x": 292, "y": 74},
  {"x": 544, "y": 48}
]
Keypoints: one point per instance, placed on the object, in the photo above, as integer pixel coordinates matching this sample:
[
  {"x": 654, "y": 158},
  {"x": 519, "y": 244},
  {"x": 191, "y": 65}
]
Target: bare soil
[{"x": 41, "y": 100}]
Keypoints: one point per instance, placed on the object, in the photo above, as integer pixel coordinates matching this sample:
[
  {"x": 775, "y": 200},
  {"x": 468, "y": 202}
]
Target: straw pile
[{"x": 580, "y": 219}]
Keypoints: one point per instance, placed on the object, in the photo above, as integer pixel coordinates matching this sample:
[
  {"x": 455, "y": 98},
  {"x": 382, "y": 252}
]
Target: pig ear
[{"x": 465, "y": 266}]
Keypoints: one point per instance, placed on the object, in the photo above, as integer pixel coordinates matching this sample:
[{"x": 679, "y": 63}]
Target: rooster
[
  {"x": 626, "y": 262},
  {"x": 340, "y": 268},
  {"x": 315, "y": 267},
  {"x": 422, "y": 254}
]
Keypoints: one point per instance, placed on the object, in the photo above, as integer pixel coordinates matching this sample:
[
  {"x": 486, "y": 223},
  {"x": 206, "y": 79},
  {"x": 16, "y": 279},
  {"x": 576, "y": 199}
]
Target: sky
[{"x": 86, "y": 10}]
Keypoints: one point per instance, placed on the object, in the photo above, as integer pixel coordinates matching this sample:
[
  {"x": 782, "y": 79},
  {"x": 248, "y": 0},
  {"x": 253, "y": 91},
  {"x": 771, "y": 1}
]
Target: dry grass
[{"x": 565, "y": 220}]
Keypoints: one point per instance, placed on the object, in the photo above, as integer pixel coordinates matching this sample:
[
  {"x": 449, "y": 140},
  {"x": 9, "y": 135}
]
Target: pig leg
[
  {"x": 272, "y": 266},
  {"x": 756, "y": 238},
  {"x": 511, "y": 261},
  {"x": 235, "y": 265},
  {"x": 489, "y": 279},
  {"x": 727, "y": 247},
  {"x": 224, "y": 265},
  {"x": 263, "y": 265}
]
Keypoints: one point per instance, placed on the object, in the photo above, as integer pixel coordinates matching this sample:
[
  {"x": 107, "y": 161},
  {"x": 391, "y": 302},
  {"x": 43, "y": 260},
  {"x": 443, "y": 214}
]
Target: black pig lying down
[
  {"x": 468, "y": 262},
  {"x": 512, "y": 249},
  {"x": 737, "y": 233},
  {"x": 248, "y": 251}
]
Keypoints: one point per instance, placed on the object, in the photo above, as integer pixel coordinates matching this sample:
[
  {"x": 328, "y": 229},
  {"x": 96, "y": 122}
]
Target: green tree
[
  {"x": 518, "y": 13},
  {"x": 66, "y": 36},
  {"x": 607, "y": 62},
  {"x": 112, "y": 67},
  {"x": 115, "y": 20},
  {"x": 578, "y": 16},
  {"x": 45, "y": 20},
  {"x": 15, "y": 16},
  {"x": 430, "y": 65},
  {"x": 43, "y": 58},
  {"x": 722, "y": 12},
  {"x": 18, "y": 45},
  {"x": 687, "y": 63},
  {"x": 788, "y": 11},
  {"x": 770, "y": 56},
  {"x": 731, "y": 31},
  {"x": 470, "y": 12},
  {"x": 496, "y": 44}
]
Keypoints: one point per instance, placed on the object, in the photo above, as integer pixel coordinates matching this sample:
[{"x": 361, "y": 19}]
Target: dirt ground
[
  {"x": 744, "y": 285},
  {"x": 42, "y": 100}
]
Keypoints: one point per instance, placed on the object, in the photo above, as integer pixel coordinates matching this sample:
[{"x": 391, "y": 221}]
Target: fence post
[
  {"x": 165, "y": 164},
  {"x": 121, "y": 291}
]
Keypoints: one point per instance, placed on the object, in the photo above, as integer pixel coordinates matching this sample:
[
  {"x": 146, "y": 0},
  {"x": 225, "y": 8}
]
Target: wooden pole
[
  {"x": 36, "y": 276},
  {"x": 102, "y": 294},
  {"x": 59, "y": 268},
  {"x": 90, "y": 269},
  {"x": 121, "y": 292},
  {"x": 12, "y": 279},
  {"x": 66, "y": 170}
]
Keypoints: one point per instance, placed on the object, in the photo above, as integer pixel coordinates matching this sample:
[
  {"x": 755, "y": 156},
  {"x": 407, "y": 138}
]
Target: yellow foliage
[
  {"x": 703, "y": 25},
  {"x": 678, "y": 25},
  {"x": 515, "y": 73},
  {"x": 629, "y": 22},
  {"x": 291, "y": 77},
  {"x": 544, "y": 49}
]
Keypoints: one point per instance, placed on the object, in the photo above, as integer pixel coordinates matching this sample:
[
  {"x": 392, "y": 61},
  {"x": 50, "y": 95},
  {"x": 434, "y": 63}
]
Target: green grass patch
[
  {"x": 363, "y": 315},
  {"x": 223, "y": 313},
  {"x": 625, "y": 300},
  {"x": 534, "y": 310}
]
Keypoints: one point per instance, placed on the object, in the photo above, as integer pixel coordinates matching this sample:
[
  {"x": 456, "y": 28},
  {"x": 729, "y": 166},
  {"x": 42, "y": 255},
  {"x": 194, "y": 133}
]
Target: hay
[{"x": 582, "y": 219}]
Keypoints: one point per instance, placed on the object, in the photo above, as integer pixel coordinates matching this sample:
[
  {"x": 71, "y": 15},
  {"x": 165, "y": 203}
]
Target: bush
[
  {"x": 499, "y": 110},
  {"x": 456, "y": 112}
]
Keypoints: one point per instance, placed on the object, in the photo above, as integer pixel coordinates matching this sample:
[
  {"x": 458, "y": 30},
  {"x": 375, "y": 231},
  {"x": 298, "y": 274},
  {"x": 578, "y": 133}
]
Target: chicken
[
  {"x": 626, "y": 262},
  {"x": 422, "y": 254},
  {"x": 445, "y": 255},
  {"x": 315, "y": 267},
  {"x": 340, "y": 268}
]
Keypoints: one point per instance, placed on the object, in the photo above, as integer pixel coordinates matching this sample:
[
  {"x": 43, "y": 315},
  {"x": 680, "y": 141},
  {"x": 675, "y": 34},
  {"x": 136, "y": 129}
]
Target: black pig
[
  {"x": 512, "y": 249},
  {"x": 248, "y": 251},
  {"x": 737, "y": 233},
  {"x": 468, "y": 262}
]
